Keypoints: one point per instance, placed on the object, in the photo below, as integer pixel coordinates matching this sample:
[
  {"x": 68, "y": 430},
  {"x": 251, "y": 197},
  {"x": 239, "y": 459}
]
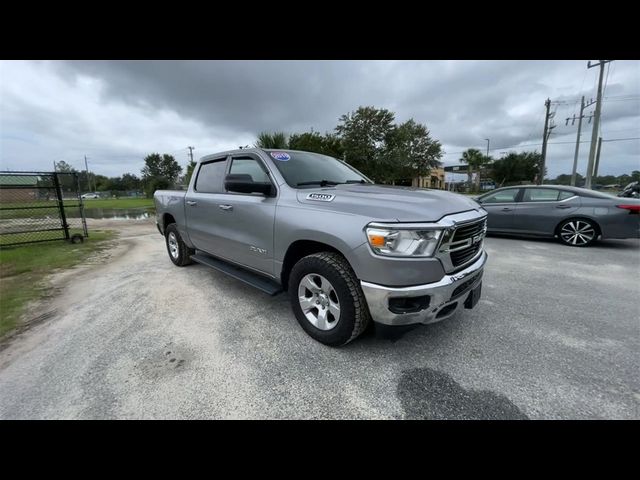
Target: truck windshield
[{"x": 304, "y": 169}]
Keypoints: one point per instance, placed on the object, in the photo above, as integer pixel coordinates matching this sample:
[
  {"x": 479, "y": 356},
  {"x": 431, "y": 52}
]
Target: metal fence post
[
  {"x": 79, "y": 197},
  {"x": 63, "y": 217}
]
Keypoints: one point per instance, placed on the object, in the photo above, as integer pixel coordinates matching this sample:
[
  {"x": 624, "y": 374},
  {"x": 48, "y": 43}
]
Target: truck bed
[{"x": 169, "y": 202}]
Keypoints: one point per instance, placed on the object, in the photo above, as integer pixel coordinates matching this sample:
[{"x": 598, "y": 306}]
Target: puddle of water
[{"x": 118, "y": 213}]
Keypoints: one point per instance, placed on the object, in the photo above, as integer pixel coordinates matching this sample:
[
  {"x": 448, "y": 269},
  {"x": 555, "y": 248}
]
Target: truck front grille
[{"x": 466, "y": 242}]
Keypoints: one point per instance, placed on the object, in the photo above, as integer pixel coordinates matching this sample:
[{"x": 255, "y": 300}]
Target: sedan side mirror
[{"x": 243, "y": 183}]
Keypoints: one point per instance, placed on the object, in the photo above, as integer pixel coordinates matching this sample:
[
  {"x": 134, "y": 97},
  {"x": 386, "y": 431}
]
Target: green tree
[
  {"x": 272, "y": 140},
  {"x": 129, "y": 181},
  {"x": 565, "y": 179},
  {"x": 605, "y": 180},
  {"x": 327, "y": 144},
  {"x": 101, "y": 182},
  {"x": 157, "y": 166},
  {"x": 156, "y": 183},
  {"x": 159, "y": 172},
  {"x": 190, "y": 168},
  {"x": 624, "y": 180},
  {"x": 475, "y": 159},
  {"x": 635, "y": 176},
  {"x": 363, "y": 133},
  {"x": 516, "y": 168},
  {"x": 64, "y": 167},
  {"x": 409, "y": 152}
]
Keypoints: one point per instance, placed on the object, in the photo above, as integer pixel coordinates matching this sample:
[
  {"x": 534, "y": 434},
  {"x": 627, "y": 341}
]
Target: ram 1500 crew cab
[{"x": 346, "y": 250}]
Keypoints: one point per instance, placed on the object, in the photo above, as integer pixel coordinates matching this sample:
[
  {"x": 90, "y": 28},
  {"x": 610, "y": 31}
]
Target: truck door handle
[
  {"x": 563, "y": 206},
  {"x": 226, "y": 207},
  {"x": 507, "y": 209},
  {"x": 191, "y": 203}
]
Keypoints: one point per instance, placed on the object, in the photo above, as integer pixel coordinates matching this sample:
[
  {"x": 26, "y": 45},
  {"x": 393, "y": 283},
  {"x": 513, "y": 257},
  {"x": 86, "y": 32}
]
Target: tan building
[{"x": 435, "y": 179}]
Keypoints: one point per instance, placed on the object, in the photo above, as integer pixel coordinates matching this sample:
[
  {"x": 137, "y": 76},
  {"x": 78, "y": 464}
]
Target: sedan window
[
  {"x": 540, "y": 195},
  {"x": 564, "y": 195},
  {"x": 503, "y": 196}
]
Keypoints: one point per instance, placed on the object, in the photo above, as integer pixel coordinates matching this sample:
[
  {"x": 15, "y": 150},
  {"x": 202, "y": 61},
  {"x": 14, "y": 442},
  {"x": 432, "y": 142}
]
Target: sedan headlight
[{"x": 403, "y": 242}]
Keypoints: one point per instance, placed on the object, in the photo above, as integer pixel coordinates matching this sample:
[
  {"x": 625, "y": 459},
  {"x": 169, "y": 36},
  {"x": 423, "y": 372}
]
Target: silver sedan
[{"x": 576, "y": 216}]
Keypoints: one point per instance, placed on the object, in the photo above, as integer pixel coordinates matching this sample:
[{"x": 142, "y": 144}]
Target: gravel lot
[{"x": 556, "y": 335}]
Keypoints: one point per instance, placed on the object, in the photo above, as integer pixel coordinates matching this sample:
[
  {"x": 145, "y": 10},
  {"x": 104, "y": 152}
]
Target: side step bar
[{"x": 255, "y": 280}]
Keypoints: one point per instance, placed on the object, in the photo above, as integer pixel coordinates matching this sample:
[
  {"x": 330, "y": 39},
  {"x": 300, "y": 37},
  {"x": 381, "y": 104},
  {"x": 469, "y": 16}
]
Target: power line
[
  {"x": 621, "y": 139},
  {"x": 549, "y": 143}
]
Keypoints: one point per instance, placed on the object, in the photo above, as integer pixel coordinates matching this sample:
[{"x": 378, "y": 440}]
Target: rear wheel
[
  {"x": 327, "y": 299},
  {"x": 179, "y": 253},
  {"x": 577, "y": 232}
]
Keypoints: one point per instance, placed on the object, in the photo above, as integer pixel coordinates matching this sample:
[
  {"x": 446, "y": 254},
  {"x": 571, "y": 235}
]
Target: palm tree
[
  {"x": 272, "y": 140},
  {"x": 475, "y": 160}
]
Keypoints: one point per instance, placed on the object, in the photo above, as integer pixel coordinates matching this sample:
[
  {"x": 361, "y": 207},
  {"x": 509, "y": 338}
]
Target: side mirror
[{"x": 243, "y": 183}]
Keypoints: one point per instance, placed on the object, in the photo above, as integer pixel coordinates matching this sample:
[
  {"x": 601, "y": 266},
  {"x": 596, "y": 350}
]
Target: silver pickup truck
[{"x": 346, "y": 250}]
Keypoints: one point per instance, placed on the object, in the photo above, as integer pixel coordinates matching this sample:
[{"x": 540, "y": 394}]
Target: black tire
[
  {"x": 76, "y": 238},
  {"x": 354, "y": 313},
  {"x": 578, "y": 232},
  {"x": 183, "y": 253}
]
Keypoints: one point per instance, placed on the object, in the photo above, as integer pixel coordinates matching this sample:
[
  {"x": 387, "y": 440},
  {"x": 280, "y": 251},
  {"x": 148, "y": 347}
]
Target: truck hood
[{"x": 388, "y": 203}]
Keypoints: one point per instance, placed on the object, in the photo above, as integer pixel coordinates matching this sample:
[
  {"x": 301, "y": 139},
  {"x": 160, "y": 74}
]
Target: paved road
[{"x": 556, "y": 335}]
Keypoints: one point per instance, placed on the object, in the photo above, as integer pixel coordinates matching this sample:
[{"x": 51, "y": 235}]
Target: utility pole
[
  {"x": 596, "y": 121},
  {"x": 575, "y": 155},
  {"x": 545, "y": 137},
  {"x": 191, "y": 153},
  {"x": 595, "y": 170},
  {"x": 86, "y": 166}
]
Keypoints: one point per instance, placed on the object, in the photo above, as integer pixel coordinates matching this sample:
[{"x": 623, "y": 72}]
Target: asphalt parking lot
[{"x": 556, "y": 335}]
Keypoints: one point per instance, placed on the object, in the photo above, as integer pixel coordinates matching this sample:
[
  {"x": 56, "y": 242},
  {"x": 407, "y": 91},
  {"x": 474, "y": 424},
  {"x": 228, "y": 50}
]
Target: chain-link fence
[{"x": 39, "y": 207}]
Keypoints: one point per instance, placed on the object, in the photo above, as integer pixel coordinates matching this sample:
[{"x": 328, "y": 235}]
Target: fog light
[{"x": 409, "y": 304}]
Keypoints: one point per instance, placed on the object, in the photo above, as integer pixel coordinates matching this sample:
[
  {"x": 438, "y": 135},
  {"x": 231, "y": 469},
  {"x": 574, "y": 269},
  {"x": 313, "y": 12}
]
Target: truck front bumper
[{"x": 425, "y": 303}]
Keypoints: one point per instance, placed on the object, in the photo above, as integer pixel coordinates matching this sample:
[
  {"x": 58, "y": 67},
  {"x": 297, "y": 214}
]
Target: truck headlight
[{"x": 403, "y": 242}]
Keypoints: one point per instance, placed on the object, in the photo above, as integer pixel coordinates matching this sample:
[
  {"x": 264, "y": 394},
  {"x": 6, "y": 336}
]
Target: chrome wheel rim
[
  {"x": 319, "y": 301},
  {"x": 173, "y": 245},
  {"x": 577, "y": 232}
]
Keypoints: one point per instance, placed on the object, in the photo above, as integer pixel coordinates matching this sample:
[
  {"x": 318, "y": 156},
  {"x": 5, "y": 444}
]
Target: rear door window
[
  {"x": 540, "y": 195},
  {"x": 211, "y": 176}
]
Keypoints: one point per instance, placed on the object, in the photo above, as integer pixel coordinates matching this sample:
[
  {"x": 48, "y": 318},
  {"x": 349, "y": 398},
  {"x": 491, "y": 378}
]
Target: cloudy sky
[{"x": 116, "y": 112}]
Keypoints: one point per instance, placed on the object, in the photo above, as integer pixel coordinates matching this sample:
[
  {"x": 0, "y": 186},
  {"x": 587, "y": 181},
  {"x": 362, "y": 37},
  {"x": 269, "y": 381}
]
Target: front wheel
[
  {"x": 327, "y": 299},
  {"x": 179, "y": 253},
  {"x": 578, "y": 232}
]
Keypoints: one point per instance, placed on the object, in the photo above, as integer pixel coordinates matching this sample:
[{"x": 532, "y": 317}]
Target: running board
[{"x": 255, "y": 280}]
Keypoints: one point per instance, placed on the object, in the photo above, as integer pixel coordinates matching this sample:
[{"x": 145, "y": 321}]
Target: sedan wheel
[{"x": 578, "y": 233}]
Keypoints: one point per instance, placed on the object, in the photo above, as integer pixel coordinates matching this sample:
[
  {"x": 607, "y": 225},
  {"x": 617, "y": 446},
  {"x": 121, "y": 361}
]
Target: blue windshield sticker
[{"x": 282, "y": 156}]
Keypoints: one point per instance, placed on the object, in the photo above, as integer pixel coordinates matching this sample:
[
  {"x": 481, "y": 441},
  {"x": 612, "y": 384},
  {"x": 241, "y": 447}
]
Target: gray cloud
[{"x": 117, "y": 111}]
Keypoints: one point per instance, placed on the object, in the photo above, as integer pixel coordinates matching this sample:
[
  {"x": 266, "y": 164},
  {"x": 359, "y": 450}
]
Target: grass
[
  {"x": 7, "y": 238},
  {"x": 118, "y": 203},
  {"x": 24, "y": 268},
  {"x": 34, "y": 209}
]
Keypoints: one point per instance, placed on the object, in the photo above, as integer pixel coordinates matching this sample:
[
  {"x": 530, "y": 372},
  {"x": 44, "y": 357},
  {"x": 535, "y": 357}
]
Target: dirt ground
[{"x": 129, "y": 335}]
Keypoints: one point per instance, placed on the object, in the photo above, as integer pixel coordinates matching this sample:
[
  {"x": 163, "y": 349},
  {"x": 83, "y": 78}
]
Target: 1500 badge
[{"x": 321, "y": 197}]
